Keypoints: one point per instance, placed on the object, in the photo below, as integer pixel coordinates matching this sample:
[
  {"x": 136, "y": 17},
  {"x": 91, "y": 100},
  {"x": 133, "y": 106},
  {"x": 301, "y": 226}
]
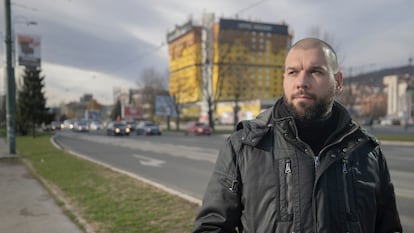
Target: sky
[{"x": 94, "y": 46}]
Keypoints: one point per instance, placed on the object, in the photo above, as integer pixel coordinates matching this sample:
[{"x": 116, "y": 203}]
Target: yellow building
[{"x": 247, "y": 65}]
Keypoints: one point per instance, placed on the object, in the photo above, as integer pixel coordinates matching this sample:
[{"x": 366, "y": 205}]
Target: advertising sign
[
  {"x": 28, "y": 50},
  {"x": 131, "y": 112},
  {"x": 164, "y": 106},
  {"x": 252, "y": 26}
]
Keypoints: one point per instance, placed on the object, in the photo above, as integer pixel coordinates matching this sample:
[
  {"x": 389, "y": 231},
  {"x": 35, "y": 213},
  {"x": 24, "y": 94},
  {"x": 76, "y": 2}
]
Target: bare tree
[
  {"x": 316, "y": 31},
  {"x": 152, "y": 83},
  {"x": 233, "y": 66}
]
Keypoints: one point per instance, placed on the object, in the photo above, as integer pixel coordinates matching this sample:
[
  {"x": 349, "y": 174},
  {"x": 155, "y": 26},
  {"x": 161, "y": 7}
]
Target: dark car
[
  {"x": 198, "y": 128},
  {"x": 148, "y": 128},
  {"x": 117, "y": 128},
  {"x": 131, "y": 125}
]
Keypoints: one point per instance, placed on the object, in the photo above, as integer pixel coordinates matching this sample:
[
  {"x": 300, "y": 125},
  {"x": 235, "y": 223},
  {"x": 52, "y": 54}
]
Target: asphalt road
[{"x": 183, "y": 164}]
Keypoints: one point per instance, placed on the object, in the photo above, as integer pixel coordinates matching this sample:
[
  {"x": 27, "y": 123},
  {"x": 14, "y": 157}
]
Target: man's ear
[{"x": 339, "y": 80}]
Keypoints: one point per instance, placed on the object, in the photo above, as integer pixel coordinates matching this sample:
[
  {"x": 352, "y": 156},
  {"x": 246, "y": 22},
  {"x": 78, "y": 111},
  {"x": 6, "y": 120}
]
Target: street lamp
[{"x": 10, "y": 80}]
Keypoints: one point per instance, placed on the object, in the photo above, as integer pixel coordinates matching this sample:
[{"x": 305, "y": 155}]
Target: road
[{"x": 183, "y": 165}]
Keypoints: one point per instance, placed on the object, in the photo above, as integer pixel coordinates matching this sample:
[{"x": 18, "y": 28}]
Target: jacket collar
[{"x": 252, "y": 131}]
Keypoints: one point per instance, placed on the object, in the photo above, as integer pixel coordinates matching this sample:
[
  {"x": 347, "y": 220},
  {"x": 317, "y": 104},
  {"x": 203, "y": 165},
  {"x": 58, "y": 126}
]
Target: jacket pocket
[
  {"x": 348, "y": 192},
  {"x": 231, "y": 183},
  {"x": 286, "y": 190}
]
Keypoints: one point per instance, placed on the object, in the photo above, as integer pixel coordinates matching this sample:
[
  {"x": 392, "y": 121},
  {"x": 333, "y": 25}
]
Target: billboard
[
  {"x": 253, "y": 26},
  {"x": 28, "y": 50},
  {"x": 130, "y": 112},
  {"x": 164, "y": 106}
]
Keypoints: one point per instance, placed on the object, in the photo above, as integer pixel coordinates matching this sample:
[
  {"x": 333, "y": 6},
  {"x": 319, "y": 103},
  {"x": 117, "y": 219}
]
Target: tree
[
  {"x": 232, "y": 69},
  {"x": 153, "y": 84},
  {"x": 31, "y": 102},
  {"x": 116, "y": 111},
  {"x": 93, "y": 105},
  {"x": 316, "y": 31}
]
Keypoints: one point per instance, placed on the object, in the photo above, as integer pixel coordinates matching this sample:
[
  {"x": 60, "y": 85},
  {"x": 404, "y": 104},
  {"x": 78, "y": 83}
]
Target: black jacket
[{"x": 267, "y": 180}]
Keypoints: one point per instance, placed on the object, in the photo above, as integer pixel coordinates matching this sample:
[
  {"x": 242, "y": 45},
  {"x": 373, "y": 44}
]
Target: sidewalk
[{"x": 26, "y": 206}]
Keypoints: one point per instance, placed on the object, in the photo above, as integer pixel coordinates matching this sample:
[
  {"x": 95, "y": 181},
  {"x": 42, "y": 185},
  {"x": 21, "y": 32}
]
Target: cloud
[
  {"x": 116, "y": 40},
  {"x": 69, "y": 84}
]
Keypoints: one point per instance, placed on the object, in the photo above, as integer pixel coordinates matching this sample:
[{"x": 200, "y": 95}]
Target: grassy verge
[
  {"x": 108, "y": 201},
  {"x": 395, "y": 137}
]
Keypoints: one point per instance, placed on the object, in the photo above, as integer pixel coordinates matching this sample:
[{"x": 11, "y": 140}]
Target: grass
[
  {"x": 395, "y": 137},
  {"x": 107, "y": 200}
]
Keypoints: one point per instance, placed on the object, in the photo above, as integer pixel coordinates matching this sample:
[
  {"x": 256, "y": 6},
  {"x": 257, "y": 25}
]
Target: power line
[
  {"x": 24, "y": 6},
  {"x": 251, "y": 6},
  {"x": 163, "y": 44},
  {"x": 139, "y": 57}
]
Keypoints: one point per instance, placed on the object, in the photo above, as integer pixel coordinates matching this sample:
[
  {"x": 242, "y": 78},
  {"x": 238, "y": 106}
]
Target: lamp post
[
  {"x": 10, "y": 79},
  {"x": 10, "y": 82}
]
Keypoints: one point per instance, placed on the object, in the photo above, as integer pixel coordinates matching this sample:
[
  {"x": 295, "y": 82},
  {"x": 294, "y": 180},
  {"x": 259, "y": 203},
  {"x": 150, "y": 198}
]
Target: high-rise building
[{"x": 235, "y": 62}]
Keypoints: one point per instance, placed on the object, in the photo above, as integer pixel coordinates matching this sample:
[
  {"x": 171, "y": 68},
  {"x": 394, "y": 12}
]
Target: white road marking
[{"x": 147, "y": 161}]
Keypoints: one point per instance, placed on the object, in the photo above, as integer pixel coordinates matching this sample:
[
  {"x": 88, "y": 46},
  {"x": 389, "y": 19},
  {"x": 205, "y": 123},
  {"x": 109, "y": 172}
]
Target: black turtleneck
[{"x": 316, "y": 132}]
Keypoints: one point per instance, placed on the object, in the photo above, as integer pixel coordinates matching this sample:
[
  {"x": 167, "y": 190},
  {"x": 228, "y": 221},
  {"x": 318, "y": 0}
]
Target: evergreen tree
[
  {"x": 31, "y": 102},
  {"x": 116, "y": 111}
]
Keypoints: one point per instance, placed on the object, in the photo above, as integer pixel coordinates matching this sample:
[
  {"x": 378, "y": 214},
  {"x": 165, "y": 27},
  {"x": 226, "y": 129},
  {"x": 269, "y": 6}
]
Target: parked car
[
  {"x": 117, "y": 128},
  {"x": 198, "y": 128},
  {"x": 148, "y": 128}
]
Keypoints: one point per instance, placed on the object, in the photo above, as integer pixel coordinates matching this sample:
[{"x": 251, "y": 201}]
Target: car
[
  {"x": 131, "y": 125},
  {"x": 198, "y": 128},
  {"x": 55, "y": 125},
  {"x": 81, "y": 126},
  {"x": 148, "y": 128},
  {"x": 68, "y": 124},
  {"x": 117, "y": 128},
  {"x": 95, "y": 125}
]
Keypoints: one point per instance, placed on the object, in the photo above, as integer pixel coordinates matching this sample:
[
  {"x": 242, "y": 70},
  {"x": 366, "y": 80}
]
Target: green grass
[
  {"x": 395, "y": 137},
  {"x": 107, "y": 200}
]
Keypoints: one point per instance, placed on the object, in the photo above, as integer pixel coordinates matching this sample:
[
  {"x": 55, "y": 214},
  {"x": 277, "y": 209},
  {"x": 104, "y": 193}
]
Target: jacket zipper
[
  {"x": 288, "y": 180},
  {"x": 345, "y": 182},
  {"x": 317, "y": 162}
]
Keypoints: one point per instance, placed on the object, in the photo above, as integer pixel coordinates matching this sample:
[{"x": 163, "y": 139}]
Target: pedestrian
[{"x": 303, "y": 165}]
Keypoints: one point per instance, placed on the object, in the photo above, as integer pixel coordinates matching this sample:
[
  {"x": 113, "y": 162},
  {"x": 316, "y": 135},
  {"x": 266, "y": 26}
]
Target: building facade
[
  {"x": 231, "y": 61},
  {"x": 400, "y": 100}
]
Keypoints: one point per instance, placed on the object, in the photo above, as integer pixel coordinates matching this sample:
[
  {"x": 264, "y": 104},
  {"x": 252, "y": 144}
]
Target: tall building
[{"x": 232, "y": 61}]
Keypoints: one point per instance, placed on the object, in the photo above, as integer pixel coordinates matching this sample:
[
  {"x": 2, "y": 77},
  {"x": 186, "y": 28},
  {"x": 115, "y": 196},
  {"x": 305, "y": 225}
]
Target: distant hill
[{"x": 375, "y": 78}]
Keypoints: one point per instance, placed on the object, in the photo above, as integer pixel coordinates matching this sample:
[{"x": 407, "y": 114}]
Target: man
[{"x": 303, "y": 165}]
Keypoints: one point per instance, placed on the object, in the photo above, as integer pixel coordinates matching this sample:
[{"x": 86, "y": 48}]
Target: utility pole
[
  {"x": 10, "y": 83},
  {"x": 207, "y": 36}
]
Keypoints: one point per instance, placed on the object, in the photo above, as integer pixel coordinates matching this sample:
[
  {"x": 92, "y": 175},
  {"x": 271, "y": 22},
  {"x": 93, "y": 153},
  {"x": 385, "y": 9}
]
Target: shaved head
[
  {"x": 329, "y": 52},
  {"x": 311, "y": 79}
]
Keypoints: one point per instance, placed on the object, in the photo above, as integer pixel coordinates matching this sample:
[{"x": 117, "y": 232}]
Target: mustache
[{"x": 303, "y": 93}]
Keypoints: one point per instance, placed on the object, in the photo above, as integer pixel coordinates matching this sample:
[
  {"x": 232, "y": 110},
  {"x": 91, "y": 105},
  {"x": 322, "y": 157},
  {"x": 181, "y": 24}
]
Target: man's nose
[{"x": 302, "y": 81}]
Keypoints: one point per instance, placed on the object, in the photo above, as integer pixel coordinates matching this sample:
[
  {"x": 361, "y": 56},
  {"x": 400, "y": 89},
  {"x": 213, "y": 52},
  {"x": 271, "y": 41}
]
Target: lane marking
[{"x": 147, "y": 161}]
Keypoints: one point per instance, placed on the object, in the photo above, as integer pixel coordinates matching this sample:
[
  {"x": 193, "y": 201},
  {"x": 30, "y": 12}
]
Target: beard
[{"x": 316, "y": 111}]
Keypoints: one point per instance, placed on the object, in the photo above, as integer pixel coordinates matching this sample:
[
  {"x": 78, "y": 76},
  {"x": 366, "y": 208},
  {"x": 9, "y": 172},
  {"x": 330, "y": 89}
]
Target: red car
[{"x": 198, "y": 128}]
